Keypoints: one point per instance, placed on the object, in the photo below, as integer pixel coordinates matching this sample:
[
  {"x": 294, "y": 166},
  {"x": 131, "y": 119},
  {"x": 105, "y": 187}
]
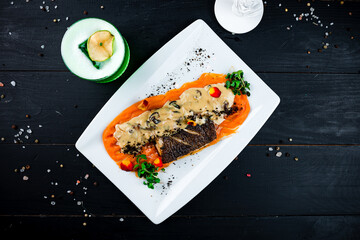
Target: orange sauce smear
[{"x": 226, "y": 128}]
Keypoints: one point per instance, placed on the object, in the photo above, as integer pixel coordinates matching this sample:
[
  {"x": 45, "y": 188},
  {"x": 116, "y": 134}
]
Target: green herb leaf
[
  {"x": 237, "y": 83},
  {"x": 83, "y": 47},
  {"x": 147, "y": 171}
]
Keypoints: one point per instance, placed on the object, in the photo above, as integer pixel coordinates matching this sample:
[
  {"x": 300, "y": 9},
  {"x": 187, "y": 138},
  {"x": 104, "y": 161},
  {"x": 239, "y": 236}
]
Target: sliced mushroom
[
  {"x": 174, "y": 104},
  {"x": 198, "y": 94},
  {"x": 153, "y": 117}
]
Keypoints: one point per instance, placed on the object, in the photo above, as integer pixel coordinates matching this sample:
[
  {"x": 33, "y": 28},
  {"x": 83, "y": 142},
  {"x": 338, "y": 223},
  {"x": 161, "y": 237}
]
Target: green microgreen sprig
[
  {"x": 147, "y": 170},
  {"x": 237, "y": 83}
]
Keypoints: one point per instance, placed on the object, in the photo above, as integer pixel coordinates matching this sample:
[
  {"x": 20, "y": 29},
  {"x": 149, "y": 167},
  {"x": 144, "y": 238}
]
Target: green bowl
[{"x": 113, "y": 76}]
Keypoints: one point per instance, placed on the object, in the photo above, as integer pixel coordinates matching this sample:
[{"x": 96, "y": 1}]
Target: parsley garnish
[
  {"x": 237, "y": 83},
  {"x": 147, "y": 170}
]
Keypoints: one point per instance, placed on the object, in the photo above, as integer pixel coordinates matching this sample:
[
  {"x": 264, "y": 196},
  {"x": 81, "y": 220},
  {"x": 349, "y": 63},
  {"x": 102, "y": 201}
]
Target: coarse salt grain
[
  {"x": 13, "y": 83},
  {"x": 271, "y": 149},
  {"x": 278, "y": 154},
  {"x": 25, "y": 178},
  {"x": 42, "y": 46}
]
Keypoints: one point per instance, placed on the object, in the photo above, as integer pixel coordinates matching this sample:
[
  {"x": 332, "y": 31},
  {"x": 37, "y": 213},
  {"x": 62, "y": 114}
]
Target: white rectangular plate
[{"x": 177, "y": 62}]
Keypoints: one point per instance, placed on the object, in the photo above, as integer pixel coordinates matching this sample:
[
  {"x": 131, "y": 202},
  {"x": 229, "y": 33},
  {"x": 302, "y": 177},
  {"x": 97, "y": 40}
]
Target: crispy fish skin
[{"x": 185, "y": 141}]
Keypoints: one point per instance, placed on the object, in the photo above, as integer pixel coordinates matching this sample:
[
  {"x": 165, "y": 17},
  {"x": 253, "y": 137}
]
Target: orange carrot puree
[{"x": 227, "y": 127}]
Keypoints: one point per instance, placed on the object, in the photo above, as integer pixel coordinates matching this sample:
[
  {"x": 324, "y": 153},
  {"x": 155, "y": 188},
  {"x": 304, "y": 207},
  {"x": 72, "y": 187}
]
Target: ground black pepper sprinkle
[{"x": 287, "y": 154}]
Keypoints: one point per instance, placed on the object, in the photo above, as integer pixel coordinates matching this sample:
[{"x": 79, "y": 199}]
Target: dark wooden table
[{"x": 311, "y": 192}]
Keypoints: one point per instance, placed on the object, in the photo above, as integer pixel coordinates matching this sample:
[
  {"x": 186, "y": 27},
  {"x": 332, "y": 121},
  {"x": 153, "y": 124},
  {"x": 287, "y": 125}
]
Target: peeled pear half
[{"x": 100, "y": 46}]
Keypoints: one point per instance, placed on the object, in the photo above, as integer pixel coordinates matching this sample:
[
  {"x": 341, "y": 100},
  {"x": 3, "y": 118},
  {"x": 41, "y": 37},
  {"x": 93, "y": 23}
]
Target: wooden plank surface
[
  {"x": 324, "y": 181},
  {"x": 314, "y": 108},
  {"x": 148, "y": 25},
  {"x": 283, "y": 228}
]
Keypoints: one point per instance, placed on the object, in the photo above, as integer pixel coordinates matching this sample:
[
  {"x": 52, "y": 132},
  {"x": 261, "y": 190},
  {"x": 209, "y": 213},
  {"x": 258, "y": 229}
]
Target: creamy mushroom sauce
[{"x": 194, "y": 103}]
